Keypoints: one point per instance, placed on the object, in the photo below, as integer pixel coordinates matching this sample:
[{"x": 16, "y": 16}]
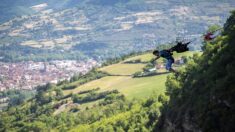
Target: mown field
[{"x": 122, "y": 80}]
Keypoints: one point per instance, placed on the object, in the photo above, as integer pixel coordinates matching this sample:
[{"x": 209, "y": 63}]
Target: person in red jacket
[
  {"x": 209, "y": 36},
  {"x": 212, "y": 35}
]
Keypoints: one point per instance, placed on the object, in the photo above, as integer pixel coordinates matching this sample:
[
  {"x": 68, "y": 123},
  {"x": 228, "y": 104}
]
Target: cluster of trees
[
  {"x": 137, "y": 74},
  {"x": 91, "y": 96},
  {"x": 133, "y": 61},
  {"x": 48, "y": 93},
  {"x": 16, "y": 97},
  {"x": 149, "y": 65},
  {"x": 17, "y": 53},
  {"x": 91, "y": 75},
  {"x": 89, "y": 91}
]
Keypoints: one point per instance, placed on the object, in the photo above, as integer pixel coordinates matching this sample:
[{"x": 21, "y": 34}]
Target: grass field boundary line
[{"x": 119, "y": 75}]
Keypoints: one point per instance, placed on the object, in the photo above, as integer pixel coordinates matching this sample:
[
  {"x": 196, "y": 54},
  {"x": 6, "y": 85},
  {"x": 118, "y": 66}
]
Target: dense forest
[{"x": 199, "y": 98}]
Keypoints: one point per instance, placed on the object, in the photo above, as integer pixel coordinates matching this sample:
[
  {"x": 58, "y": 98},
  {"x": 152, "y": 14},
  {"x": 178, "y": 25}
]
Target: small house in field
[{"x": 179, "y": 61}]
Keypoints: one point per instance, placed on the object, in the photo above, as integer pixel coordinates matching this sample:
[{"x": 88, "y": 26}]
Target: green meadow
[{"x": 121, "y": 78}]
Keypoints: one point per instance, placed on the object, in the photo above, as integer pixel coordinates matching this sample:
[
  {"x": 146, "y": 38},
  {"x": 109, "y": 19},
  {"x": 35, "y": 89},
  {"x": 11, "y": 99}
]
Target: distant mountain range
[
  {"x": 103, "y": 28},
  {"x": 12, "y": 8}
]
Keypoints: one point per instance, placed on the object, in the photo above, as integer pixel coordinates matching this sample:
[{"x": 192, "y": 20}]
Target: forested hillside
[
  {"x": 11, "y": 9},
  {"x": 67, "y": 30},
  {"x": 202, "y": 96}
]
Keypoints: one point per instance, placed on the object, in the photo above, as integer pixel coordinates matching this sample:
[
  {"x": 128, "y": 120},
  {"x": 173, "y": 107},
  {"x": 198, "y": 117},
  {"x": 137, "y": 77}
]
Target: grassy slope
[
  {"x": 123, "y": 69},
  {"x": 143, "y": 58},
  {"x": 131, "y": 87}
]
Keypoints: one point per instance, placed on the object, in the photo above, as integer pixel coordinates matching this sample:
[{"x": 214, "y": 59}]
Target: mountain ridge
[{"x": 125, "y": 27}]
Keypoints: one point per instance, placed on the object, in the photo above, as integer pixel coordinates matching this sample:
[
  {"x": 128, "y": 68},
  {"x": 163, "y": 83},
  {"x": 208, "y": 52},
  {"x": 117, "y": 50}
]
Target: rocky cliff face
[{"x": 202, "y": 96}]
